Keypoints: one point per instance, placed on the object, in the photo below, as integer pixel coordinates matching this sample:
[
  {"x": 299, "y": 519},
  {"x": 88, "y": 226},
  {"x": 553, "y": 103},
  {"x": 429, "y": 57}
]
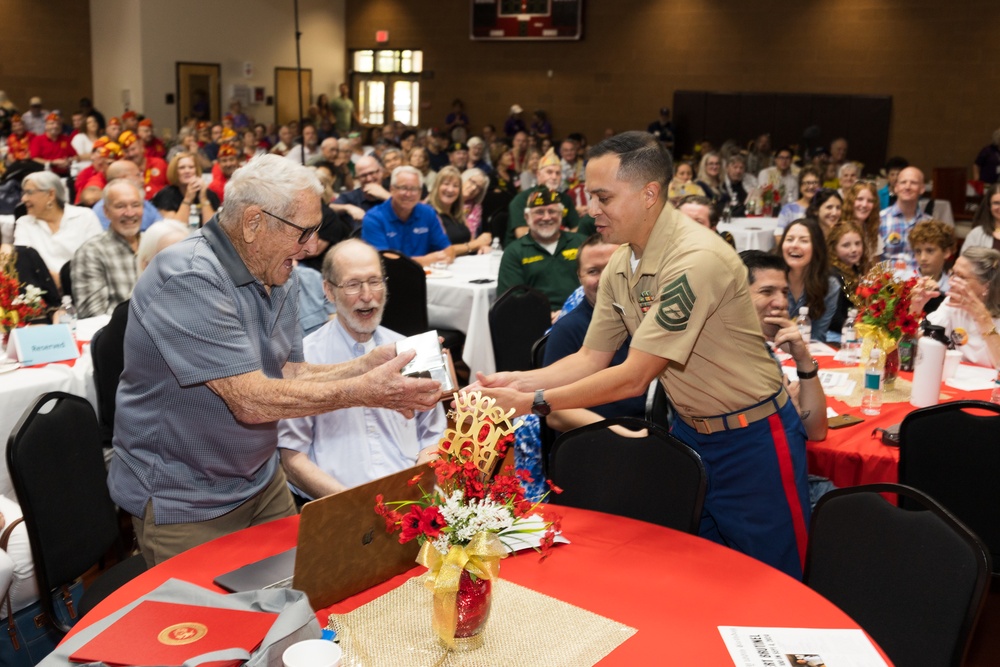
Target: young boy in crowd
[{"x": 933, "y": 244}]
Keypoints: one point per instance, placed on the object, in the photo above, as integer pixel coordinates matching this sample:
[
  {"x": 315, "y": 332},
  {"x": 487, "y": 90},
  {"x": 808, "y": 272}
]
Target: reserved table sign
[{"x": 43, "y": 344}]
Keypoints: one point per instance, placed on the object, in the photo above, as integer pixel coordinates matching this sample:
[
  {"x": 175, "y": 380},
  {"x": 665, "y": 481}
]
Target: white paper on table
[
  {"x": 818, "y": 349},
  {"x": 514, "y": 540},
  {"x": 771, "y": 647},
  {"x": 835, "y": 383},
  {"x": 849, "y": 357},
  {"x": 972, "y": 378},
  {"x": 831, "y": 413}
]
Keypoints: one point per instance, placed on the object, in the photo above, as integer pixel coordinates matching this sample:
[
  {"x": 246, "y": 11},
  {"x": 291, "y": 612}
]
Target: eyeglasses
[
  {"x": 407, "y": 189},
  {"x": 353, "y": 288},
  {"x": 307, "y": 232},
  {"x": 367, "y": 174}
]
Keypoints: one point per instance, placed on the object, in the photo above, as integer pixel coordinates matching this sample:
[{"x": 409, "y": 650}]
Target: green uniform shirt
[{"x": 527, "y": 263}]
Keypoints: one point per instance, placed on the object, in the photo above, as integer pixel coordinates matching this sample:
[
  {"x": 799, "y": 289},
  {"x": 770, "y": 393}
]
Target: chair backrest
[
  {"x": 498, "y": 224},
  {"x": 953, "y": 455},
  {"x": 66, "y": 280},
  {"x": 406, "y": 308},
  {"x": 656, "y": 478},
  {"x": 57, "y": 469},
  {"x": 519, "y": 317},
  {"x": 658, "y": 407},
  {"x": 107, "y": 351},
  {"x": 914, "y": 580}
]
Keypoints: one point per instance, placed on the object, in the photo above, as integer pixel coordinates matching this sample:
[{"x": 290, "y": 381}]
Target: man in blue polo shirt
[{"x": 405, "y": 225}]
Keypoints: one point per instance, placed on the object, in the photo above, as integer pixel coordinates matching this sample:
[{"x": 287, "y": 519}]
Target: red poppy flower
[
  {"x": 431, "y": 522},
  {"x": 411, "y": 525}
]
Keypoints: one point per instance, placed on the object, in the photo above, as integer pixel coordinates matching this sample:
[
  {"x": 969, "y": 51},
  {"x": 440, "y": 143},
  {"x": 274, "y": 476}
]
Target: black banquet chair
[
  {"x": 915, "y": 580},
  {"x": 656, "y": 478},
  {"x": 953, "y": 455},
  {"x": 57, "y": 469},
  {"x": 520, "y": 316},
  {"x": 406, "y": 309},
  {"x": 107, "y": 351}
]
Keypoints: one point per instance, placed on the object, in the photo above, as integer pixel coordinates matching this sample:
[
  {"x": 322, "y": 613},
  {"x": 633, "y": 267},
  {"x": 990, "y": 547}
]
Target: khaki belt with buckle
[{"x": 737, "y": 420}]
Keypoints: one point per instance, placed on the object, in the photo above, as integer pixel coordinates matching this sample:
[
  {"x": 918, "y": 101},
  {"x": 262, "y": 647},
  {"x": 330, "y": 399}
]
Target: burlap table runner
[
  {"x": 900, "y": 393},
  {"x": 525, "y": 628}
]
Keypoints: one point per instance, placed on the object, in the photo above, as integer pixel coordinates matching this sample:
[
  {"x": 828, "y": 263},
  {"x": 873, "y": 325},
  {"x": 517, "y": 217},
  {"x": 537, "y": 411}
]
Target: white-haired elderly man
[
  {"x": 213, "y": 359},
  {"x": 104, "y": 269},
  {"x": 405, "y": 225}
]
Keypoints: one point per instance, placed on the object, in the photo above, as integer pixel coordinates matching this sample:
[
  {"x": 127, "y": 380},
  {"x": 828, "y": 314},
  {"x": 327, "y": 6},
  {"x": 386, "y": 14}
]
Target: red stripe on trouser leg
[{"x": 788, "y": 483}]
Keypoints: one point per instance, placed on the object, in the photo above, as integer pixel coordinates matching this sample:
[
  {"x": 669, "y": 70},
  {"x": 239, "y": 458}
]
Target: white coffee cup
[
  {"x": 951, "y": 360},
  {"x": 312, "y": 653}
]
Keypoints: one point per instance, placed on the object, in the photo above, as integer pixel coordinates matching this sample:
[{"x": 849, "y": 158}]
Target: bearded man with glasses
[
  {"x": 213, "y": 359},
  {"x": 331, "y": 452}
]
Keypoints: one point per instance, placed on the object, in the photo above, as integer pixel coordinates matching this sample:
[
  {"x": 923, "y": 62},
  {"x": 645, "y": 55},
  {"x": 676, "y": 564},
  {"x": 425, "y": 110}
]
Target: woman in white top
[
  {"x": 83, "y": 144},
  {"x": 986, "y": 224},
  {"x": 52, "y": 227},
  {"x": 17, "y": 568},
  {"x": 971, "y": 312}
]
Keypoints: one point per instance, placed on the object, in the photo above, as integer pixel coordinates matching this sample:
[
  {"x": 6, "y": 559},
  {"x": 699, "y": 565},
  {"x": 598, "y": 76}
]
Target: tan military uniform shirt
[{"x": 688, "y": 302}]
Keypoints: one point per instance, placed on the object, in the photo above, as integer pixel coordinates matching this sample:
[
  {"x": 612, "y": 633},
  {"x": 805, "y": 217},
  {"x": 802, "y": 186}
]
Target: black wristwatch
[
  {"x": 541, "y": 407},
  {"x": 808, "y": 375}
]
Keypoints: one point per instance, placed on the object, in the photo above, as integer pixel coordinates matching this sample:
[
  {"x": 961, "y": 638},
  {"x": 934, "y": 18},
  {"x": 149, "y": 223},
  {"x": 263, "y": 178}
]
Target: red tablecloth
[
  {"x": 850, "y": 456},
  {"x": 676, "y": 589}
]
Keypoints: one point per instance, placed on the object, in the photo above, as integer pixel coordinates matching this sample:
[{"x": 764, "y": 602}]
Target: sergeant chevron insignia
[{"x": 676, "y": 301}]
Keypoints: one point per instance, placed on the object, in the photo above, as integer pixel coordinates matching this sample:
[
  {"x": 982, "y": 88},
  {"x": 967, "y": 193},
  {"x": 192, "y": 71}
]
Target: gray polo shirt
[{"x": 197, "y": 314}]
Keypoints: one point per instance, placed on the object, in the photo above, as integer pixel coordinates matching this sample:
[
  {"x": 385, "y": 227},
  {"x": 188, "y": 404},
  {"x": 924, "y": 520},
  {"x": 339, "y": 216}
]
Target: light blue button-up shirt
[{"x": 357, "y": 445}]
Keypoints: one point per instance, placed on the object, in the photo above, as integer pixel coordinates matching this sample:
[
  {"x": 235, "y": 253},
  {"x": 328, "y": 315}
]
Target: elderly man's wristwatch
[{"x": 541, "y": 407}]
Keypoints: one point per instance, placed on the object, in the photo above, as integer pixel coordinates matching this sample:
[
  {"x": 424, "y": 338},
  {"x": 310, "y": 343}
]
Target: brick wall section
[
  {"x": 45, "y": 51},
  {"x": 939, "y": 61}
]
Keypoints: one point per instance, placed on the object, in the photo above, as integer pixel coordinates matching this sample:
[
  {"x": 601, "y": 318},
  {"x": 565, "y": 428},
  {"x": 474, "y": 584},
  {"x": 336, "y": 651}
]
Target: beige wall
[
  {"x": 939, "y": 61},
  {"x": 161, "y": 33},
  {"x": 45, "y": 51}
]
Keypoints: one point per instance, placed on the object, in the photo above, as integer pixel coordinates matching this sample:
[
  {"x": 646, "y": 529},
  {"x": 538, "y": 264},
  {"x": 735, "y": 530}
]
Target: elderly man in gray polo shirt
[{"x": 213, "y": 359}]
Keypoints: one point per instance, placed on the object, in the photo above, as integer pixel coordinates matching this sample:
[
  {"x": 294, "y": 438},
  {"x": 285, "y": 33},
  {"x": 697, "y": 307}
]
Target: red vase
[
  {"x": 891, "y": 371},
  {"x": 472, "y": 605}
]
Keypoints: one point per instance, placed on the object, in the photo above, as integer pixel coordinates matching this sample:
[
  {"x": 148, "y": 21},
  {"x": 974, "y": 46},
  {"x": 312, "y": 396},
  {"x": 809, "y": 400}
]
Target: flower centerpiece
[
  {"x": 883, "y": 302},
  {"x": 770, "y": 200},
  {"x": 468, "y": 519},
  {"x": 19, "y": 303}
]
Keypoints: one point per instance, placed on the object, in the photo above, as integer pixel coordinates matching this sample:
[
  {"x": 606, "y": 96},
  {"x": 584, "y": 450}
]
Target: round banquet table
[
  {"x": 453, "y": 302},
  {"x": 850, "y": 456},
  {"x": 675, "y": 588}
]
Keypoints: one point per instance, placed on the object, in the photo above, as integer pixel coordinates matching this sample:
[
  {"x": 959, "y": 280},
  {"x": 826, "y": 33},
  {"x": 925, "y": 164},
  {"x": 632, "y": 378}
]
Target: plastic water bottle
[
  {"x": 70, "y": 314},
  {"x": 995, "y": 396},
  {"x": 871, "y": 399},
  {"x": 496, "y": 254},
  {"x": 194, "y": 217},
  {"x": 848, "y": 338},
  {"x": 805, "y": 324}
]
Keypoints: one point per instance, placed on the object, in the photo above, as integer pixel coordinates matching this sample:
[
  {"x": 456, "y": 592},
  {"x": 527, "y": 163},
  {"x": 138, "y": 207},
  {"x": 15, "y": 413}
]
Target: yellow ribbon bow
[
  {"x": 878, "y": 337},
  {"x": 481, "y": 557}
]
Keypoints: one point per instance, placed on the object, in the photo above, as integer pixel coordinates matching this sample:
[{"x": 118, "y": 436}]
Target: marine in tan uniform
[{"x": 682, "y": 293}]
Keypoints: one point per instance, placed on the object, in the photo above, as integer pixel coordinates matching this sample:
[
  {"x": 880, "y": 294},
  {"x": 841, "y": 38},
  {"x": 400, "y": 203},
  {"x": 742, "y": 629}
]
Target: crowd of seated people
[{"x": 466, "y": 177}]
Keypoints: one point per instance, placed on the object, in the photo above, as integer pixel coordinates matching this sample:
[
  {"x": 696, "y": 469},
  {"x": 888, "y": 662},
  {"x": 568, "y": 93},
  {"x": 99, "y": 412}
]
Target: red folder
[{"x": 164, "y": 633}]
